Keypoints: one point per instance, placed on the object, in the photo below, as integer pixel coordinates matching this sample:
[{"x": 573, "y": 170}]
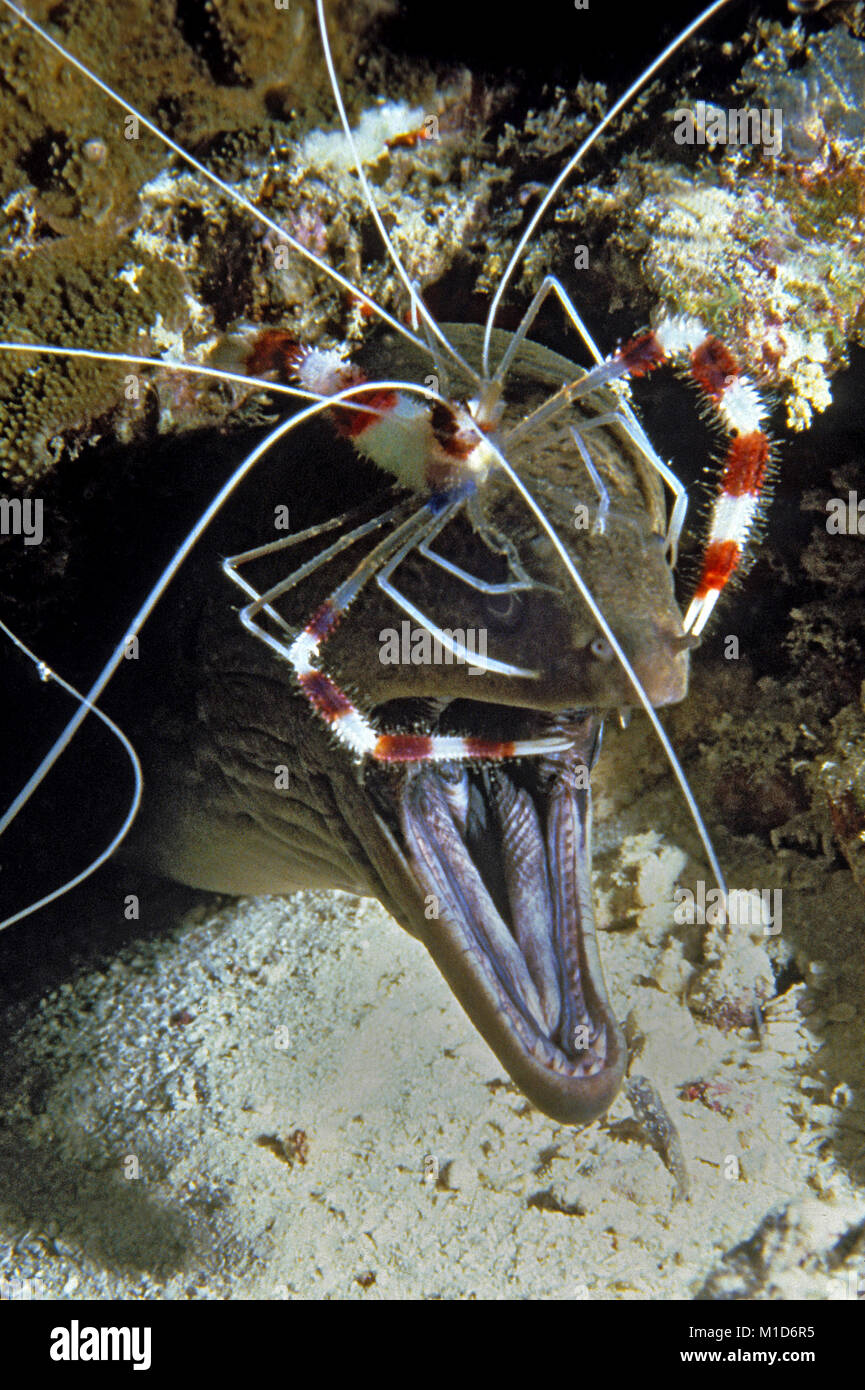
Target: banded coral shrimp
[{"x": 455, "y": 450}]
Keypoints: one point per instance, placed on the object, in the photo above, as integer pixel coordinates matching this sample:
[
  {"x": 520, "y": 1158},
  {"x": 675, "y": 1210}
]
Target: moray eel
[{"x": 490, "y": 867}]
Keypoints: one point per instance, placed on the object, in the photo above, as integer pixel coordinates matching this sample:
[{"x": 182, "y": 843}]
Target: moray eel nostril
[{"x": 661, "y": 665}]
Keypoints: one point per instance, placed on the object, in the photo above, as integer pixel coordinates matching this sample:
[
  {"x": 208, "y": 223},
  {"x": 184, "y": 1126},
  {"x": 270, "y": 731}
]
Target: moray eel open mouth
[{"x": 502, "y": 854}]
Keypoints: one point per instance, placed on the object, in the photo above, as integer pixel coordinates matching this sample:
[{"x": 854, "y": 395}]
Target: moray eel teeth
[{"x": 503, "y": 858}]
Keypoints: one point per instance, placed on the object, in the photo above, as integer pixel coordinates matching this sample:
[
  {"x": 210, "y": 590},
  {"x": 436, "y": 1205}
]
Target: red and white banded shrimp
[{"x": 528, "y": 975}]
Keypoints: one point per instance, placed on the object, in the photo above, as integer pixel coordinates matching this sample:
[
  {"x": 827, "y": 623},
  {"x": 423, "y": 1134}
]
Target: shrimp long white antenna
[
  {"x": 190, "y": 368},
  {"x": 618, "y": 106},
  {"x": 586, "y": 594},
  {"x": 418, "y": 305},
  {"x": 234, "y": 194},
  {"x": 46, "y": 673}
]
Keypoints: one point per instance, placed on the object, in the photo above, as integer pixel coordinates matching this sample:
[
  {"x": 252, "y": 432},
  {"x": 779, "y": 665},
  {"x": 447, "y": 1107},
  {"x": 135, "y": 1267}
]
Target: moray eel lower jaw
[{"x": 503, "y": 859}]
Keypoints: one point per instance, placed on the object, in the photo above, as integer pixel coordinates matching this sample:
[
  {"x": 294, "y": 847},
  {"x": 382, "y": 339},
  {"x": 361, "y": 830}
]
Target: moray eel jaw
[{"x": 502, "y": 857}]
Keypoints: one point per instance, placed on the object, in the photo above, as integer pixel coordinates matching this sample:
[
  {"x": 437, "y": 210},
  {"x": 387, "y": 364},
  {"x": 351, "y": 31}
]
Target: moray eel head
[{"x": 489, "y": 865}]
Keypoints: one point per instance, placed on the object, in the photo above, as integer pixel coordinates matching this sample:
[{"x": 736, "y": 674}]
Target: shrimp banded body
[{"x": 431, "y": 786}]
